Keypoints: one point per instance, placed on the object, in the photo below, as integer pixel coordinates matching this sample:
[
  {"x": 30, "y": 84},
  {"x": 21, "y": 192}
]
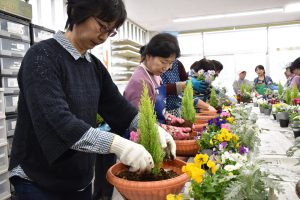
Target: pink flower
[
  {"x": 224, "y": 114},
  {"x": 134, "y": 136},
  {"x": 226, "y": 126}
]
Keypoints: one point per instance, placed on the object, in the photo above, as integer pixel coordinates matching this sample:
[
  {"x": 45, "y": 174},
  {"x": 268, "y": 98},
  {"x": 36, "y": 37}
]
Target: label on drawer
[
  {"x": 15, "y": 28},
  {"x": 12, "y": 82},
  {"x": 20, "y": 46},
  {"x": 16, "y": 65},
  {"x": 13, "y": 125},
  {"x": 15, "y": 101}
]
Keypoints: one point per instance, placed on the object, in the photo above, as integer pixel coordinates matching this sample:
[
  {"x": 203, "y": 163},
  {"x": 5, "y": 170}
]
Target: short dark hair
[
  {"x": 260, "y": 67},
  {"x": 106, "y": 10},
  {"x": 217, "y": 65},
  {"x": 296, "y": 64},
  {"x": 203, "y": 64},
  {"x": 162, "y": 45}
]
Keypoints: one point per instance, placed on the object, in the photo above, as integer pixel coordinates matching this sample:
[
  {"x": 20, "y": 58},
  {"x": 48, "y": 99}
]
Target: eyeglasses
[{"x": 105, "y": 29}]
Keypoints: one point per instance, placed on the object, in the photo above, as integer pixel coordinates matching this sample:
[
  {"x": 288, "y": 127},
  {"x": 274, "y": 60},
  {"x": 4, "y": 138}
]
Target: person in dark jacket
[{"x": 62, "y": 88}]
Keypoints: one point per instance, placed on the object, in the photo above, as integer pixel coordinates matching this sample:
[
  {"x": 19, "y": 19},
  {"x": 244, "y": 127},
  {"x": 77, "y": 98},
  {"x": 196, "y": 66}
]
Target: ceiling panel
[{"x": 157, "y": 15}]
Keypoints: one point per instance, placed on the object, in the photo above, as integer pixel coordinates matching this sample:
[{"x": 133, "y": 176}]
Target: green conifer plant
[
  {"x": 288, "y": 96},
  {"x": 187, "y": 104},
  {"x": 148, "y": 132},
  {"x": 280, "y": 90},
  {"x": 295, "y": 92},
  {"x": 213, "y": 98}
]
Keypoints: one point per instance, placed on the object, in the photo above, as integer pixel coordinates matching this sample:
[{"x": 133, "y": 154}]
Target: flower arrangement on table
[
  {"x": 245, "y": 93},
  {"x": 206, "y": 76},
  {"x": 228, "y": 173}
]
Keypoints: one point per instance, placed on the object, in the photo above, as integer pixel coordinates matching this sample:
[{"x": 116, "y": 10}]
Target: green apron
[{"x": 261, "y": 88}]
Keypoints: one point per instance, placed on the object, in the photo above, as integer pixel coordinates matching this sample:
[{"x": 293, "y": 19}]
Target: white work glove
[
  {"x": 167, "y": 143},
  {"x": 132, "y": 154}
]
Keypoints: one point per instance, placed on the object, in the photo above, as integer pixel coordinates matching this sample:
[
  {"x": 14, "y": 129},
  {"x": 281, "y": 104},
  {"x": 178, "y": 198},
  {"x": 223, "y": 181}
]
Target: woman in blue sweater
[{"x": 62, "y": 88}]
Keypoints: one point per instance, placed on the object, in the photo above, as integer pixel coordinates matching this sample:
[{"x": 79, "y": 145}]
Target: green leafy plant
[
  {"x": 280, "y": 90},
  {"x": 251, "y": 184},
  {"x": 288, "y": 96},
  {"x": 266, "y": 105},
  {"x": 99, "y": 119},
  {"x": 187, "y": 106},
  {"x": 213, "y": 98},
  {"x": 268, "y": 92},
  {"x": 148, "y": 133},
  {"x": 295, "y": 92},
  {"x": 246, "y": 88}
]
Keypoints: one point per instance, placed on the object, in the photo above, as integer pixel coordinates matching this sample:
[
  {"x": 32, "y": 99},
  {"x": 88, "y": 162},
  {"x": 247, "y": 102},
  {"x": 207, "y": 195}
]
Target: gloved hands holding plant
[
  {"x": 199, "y": 86},
  {"x": 166, "y": 142}
]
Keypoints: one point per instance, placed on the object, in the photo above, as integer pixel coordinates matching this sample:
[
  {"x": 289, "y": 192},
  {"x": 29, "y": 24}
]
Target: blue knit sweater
[{"x": 58, "y": 101}]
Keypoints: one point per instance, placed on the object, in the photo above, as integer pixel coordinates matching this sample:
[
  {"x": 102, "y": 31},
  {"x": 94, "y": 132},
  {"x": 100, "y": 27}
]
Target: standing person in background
[
  {"x": 262, "y": 82},
  {"x": 293, "y": 79},
  {"x": 241, "y": 80},
  {"x": 287, "y": 73},
  {"x": 296, "y": 66},
  {"x": 175, "y": 81},
  {"x": 62, "y": 88}
]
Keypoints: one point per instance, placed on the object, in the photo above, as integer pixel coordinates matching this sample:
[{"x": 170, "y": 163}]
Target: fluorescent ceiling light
[
  {"x": 295, "y": 7},
  {"x": 249, "y": 13}
]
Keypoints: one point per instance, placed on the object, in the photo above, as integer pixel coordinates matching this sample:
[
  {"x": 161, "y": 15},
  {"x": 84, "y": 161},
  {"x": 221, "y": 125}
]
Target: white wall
[{"x": 49, "y": 13}]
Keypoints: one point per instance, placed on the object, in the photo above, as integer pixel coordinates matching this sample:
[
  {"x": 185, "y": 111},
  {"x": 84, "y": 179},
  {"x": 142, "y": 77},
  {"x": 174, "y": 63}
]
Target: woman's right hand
[{"x": 132, "y": 154}]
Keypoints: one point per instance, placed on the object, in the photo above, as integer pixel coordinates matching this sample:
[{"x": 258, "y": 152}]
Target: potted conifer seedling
[
  {"x": 166, "y": 177},
  {"x": 188, "y": 112},
  {"x": 188, "y": 147}
]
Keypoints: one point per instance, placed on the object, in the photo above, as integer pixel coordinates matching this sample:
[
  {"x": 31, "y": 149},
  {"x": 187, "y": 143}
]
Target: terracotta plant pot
[
  {"x": 201, "y": 121},
  {"x": 183, "y": 158},
  {"x": 204, "y": 117},
  {"x": 154, "y": 190},
  {"x": 199, "y": 127},
  {"x": 186, "y": 147},
  {"x": 207, "y": 112}
]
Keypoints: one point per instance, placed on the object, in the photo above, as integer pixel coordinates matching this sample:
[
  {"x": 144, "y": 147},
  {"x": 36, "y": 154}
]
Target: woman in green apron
[{"x": 262, "y": 82}]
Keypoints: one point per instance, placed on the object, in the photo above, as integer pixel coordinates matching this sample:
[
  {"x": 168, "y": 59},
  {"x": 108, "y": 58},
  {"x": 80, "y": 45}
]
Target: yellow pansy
[
  {"x": 197, "y": 174},
  {"x": 228, "y": 136},
  {"x": 230, "y": 120},
  {"x": 174, "y": 197},
  {"x": 188, "y": 168},
  {"x": 201, "y": 159},
  {"x": 220, "y": 137},
  {"x": 212, "y": 166},
  {"x": 235, "y": 138}
]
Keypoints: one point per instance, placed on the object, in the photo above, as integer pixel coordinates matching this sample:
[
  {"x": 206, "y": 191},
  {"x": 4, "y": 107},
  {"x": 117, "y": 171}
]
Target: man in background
[{"x": 241, "y": 80}]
